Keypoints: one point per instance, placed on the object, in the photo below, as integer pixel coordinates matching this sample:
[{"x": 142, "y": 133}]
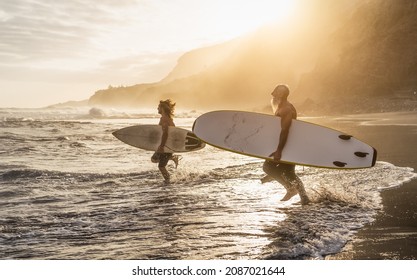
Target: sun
[
  {"x": 274, "y": 11},
  {"x": 235, "y": 17}
]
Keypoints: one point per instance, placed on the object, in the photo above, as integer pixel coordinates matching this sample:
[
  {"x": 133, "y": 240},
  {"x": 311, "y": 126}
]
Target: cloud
[
  {"x": 32, "y": 30},
  {"x": 4, "y": 16}
]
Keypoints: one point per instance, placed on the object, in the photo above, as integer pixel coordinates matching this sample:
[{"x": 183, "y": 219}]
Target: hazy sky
[{"x": 58, "y": 50}]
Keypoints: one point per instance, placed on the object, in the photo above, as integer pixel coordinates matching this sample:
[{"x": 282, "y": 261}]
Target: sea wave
[{"x": 10, "y": 117}]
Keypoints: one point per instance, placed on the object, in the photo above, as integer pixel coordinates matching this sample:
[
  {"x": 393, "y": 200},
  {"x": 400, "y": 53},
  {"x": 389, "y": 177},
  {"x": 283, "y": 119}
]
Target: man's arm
[{"x": 286, "y": 120}]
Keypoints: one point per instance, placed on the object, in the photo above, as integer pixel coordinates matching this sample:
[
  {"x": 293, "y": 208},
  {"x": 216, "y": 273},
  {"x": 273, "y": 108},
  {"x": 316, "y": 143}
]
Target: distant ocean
[{"x": 70, "y": 190}]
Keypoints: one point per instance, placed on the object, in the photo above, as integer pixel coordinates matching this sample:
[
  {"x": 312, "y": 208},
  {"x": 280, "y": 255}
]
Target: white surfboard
[
  {"x": 257, "y": 135},
  {"x": 148, "y": 137}
]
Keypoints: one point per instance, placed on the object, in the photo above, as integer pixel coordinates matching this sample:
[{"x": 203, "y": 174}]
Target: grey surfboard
[
  {"x": 257, "y": 135},
  {"x": 148, "y": 137}
]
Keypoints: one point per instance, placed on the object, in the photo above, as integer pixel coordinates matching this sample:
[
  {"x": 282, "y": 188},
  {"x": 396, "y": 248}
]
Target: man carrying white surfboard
[{"x": 284, "y": 173}]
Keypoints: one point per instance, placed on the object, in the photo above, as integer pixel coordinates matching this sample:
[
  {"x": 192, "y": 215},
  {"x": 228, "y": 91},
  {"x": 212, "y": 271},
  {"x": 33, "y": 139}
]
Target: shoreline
[{"x": 393, "y": 233}]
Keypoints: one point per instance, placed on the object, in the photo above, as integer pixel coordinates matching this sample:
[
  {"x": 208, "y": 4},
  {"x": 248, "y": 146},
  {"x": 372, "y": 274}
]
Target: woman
[{"x": 166, "y": 110}]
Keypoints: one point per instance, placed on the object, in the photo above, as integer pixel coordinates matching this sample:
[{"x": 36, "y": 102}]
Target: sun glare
[
  {"x": 238, "y": 17},
  {"x": 203, "y": 23}
]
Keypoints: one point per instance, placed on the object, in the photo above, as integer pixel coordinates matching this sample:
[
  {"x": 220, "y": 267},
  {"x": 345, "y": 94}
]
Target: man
[
  {"x": 284, "y": 173},
  {"x": 166, "y": 110}
]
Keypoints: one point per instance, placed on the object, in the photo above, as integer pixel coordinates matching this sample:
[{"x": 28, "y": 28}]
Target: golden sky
[{"x": 54, "y": 51}]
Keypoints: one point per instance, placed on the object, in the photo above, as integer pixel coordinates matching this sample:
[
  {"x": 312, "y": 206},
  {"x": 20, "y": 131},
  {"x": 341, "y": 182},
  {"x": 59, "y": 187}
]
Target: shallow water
[{"x": 70, "y": 190}]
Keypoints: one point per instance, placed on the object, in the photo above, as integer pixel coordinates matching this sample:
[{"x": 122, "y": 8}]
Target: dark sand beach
[{"x": 393, "y": 234}]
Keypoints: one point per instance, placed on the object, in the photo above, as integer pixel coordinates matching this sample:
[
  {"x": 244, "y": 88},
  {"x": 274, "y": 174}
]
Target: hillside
[
  {"x": 342, "y": 57},
  {"x": 370, "y": 63}
]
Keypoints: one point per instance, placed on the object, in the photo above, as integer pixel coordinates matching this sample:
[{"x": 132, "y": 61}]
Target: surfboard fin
[
  {"x": 361, "y": 154},
  {"x": 345, "y": 137},
  {"x": 192, "y": 141},
  {"x": 339, "y": 163}
]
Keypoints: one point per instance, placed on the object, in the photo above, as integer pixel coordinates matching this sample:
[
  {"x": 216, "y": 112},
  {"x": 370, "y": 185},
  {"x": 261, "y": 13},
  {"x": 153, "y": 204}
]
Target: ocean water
[{"x": 70, "y": 190}]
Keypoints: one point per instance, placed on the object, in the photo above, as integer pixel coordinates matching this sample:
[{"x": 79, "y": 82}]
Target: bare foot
[
  {"x": 305, "y": 201},
  {"x": 176, "y": 160},
  {"x": 290, "y": 193}
]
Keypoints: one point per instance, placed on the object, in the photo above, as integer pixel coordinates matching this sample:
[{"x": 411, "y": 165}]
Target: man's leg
[
  {"x": 297, "y": 185},
  {"x": 277, "y": 171}
]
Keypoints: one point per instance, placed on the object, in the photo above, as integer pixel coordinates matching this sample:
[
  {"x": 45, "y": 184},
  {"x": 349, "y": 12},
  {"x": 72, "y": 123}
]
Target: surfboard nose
[{"x": 115, "y": 133}]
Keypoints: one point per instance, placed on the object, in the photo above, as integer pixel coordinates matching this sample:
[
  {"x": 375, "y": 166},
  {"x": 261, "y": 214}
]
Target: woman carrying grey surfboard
[
  {"x": 284, "y": 173},
  {"x": 166, "y": 110},
  {"x": 164, "y": 139}
]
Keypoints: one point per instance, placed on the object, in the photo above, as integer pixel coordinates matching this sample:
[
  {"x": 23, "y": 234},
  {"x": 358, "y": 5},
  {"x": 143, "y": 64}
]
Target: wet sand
[{"x": 393, "y": 234}]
